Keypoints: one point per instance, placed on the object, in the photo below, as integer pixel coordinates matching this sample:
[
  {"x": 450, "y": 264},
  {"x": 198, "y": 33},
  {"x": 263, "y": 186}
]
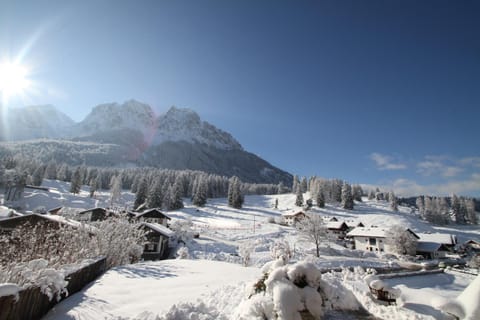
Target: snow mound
[
  {"x": 9, "y": 289},
  {"x": 467, "y": 304}
]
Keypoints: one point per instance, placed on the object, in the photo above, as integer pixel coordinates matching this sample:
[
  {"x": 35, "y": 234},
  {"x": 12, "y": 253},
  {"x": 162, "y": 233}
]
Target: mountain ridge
[{"x": 176, "y": 139}]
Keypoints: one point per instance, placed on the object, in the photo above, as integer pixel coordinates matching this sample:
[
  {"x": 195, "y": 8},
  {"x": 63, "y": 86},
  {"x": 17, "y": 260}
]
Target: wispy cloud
[
  {"x": 385, "y": 162},
  {"x": 440, "y": 166},
  {"x": 407, "y": 187}
]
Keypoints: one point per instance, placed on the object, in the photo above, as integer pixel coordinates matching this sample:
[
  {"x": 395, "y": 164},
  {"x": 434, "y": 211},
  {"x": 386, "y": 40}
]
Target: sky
[{"x": 384, "y": 93}]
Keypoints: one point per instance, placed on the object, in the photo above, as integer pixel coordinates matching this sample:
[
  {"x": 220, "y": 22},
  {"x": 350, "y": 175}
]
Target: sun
[{"x": 13, "y": 79}]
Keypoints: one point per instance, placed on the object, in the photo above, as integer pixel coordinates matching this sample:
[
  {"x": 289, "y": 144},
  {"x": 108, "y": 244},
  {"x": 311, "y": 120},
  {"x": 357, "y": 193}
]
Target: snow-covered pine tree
[
  {"x": 393, "y": 201},
  {"x": 357, "y": 192},
  {"x": 347, "y": 198},
  {"x": 115, "y": 190},
  {"x": 200, "y": 193},
  {"x": 176, "y": 192},
  {"x": 371, "y": 195},
  {"x": 304, "y": 184},
  {"x": 419, "y": 202},
  {"x": 142, "y": 192},
  {"x": 471, "y": 213},
  {"x": 63, "y": 173},
  {"x": 76, "y": 182},
  {"x": 320, "y": 199},
  {"x": 296, "y": 183},
  {"x": 457, "y": 211},
  {"x": 299, "y": 197},
  {"x": 235, "y": 196},
  {"x": 37, "y": 176},
  {"x": 154, "y": 193},
  {"x": 51, "y": 170}
]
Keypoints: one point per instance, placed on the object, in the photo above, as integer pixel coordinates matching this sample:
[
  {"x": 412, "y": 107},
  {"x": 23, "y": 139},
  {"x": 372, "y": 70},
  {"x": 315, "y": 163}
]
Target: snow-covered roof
[
  {"x": 159, "y": 228},
  {"x": 5, "y": 212},
  {"x": 337, "y": 225},
  {"x": 139, "y": 214},
  {"x": 92, "y": 209},
  {"x": 368, "y": 232},
  {"x": 444, "y": 238},
  {"x": 373, "y": 232},
  {"x": 292, "y": 214}
]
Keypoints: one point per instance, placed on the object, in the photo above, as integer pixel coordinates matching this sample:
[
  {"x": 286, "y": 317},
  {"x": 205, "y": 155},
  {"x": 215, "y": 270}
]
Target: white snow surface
[
  {"x": 148, "y": 289},
  {"x": 153, "y": 288}
]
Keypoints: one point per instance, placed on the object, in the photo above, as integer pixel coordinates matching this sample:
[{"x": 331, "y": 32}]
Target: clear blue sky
[{"x": 377, "y": 92}]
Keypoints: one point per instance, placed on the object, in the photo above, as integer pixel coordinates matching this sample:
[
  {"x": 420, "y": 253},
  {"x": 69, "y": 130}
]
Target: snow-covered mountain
[
  {"x": 33, "y": 122},
  {"x": 177, "y": 139},
  {"x": 185, "y": 125}
]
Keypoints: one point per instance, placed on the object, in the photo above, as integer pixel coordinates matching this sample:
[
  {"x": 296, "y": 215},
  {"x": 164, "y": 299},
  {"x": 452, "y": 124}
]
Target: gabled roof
[
  {"x": 374, "y": 232},
  {"x": 337, "y": 225},
  {"x": 292, "y": 214},
  {"x": 444, "y": 238},
  {"x": 159, "y": 228},
  {"x": 93, "y": 209},
  {"x": 154, "y": 210},
  {"x": 15, "y": 221}
]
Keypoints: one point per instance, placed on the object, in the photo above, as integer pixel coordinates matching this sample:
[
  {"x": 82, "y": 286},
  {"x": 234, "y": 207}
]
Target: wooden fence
[{"x": 33, "y": 304}]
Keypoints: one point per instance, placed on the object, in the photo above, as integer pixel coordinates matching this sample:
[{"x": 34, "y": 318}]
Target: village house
[
  {"x": 448, "y": 240},
  {"x": 372, "y": 239},
  {"x": 158, "y": 239},
  {"x": 151, "y": 216},
  {"x": 94, "y": 214},
  {"x": 337, "y": 229},
  {"x": 431, "y": 250},
  {"x": 291, "y": 218}
]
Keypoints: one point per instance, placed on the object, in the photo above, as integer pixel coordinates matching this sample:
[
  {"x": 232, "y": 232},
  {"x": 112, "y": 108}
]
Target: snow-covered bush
[
  {"x": 401, "y": 241},
  {"x": 183, "y": 230},
  {"x": 183, "y": 253},
  {"x": 245, "y": 252},
  {"x": 36, "y": 272},
  {"x": 120, "y": 241},
  {"x": 281, "y": 249},
  {"x": 284, "y": 293}
]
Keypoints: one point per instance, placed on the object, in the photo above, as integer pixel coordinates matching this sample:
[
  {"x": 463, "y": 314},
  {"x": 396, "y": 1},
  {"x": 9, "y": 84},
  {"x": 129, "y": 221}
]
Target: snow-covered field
[{"x": 214, "y": 273}]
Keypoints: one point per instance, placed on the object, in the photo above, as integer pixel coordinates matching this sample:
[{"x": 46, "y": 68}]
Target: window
[
  {"x": 151, "y": 247},
  {"x": 372, "y": 241}
]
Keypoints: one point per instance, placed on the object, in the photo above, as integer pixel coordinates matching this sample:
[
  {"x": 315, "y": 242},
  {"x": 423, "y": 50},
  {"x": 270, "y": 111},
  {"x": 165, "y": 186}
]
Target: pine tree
[
  {"x": 115, "y": 189},
  {"x": 37, "y": 176},
  {"x": 457, "y": 210},
  {"x": 76, "y": 182},
  {"x": 200, "y": 193},
  {"x": 299, "y": 198},
  {"x": 371, "y": 195},
  {"x": 141, "y": 195},
  {"x": 63, "y": 173},
  {"x": 51, "y": 170},
  {"x": 296, "y": 183},
  {"x": 393, "y": 201},
  {"x": 471, "y": 213},
  {"x": 235, "y": 197},
  {"x": 176, "y": 201},
  {"x": 320, "y": 200},
  {"x": 420, "y": 205},
  {"x": 347, "y": 198},
  {"x": 304, "y": 184}
]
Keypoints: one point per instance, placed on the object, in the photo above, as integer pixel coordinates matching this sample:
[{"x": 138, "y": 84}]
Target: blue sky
[{"x": 377, "y": 92}]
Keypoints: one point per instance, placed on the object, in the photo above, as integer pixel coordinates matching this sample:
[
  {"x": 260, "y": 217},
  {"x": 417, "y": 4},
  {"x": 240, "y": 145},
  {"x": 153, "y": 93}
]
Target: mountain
[
  {"x": 130, "y": 134},
  {"x": 34, "y": 122}
]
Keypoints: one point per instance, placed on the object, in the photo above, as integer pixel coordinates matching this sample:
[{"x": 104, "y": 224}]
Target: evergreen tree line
[
  {"x": 327, "y": 191},
  {"x": 444, "y": 210},
  {"x": 153, "y": 187}
]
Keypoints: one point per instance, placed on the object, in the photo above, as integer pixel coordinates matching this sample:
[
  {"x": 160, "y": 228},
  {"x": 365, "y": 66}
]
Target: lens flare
[{"x": 13, "y": 79}]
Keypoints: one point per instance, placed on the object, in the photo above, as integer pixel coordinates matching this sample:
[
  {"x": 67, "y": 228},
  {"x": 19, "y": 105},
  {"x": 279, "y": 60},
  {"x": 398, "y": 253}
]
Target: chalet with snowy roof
[
  {"x": 94, "y": 214},
  {"x": 353, "y": 225},
  {"x": 158, "y": 239},
  {"x": 150, "y": 216},
  {"x": 372, "y": 239},
  {"x": 448, "y": 240},
  {"x": 431, "y": 250},
  {"x": 291, "y": 218},
  {"x": 337, "y": 229}
]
